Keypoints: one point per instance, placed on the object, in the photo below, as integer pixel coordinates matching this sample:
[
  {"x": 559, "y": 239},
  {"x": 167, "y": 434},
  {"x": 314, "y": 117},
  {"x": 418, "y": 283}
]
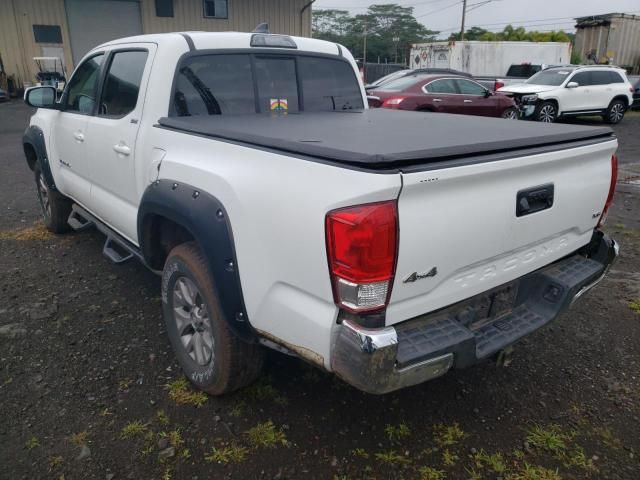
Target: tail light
[
  {"x": 612, "y": 191},
  {"x": 362, "y": 246},
  {"x": 498, "y": 84},
  {"x": 393, "y": 102}
]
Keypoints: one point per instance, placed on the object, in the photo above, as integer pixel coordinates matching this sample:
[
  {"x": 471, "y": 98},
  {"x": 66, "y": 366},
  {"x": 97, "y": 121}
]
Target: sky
[{"x": 544, "y": 15}]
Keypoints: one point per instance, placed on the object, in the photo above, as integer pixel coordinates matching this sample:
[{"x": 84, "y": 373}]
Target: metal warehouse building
[
  {"x": 70, "y": 28},
  {"x": 611, "y": 38}
]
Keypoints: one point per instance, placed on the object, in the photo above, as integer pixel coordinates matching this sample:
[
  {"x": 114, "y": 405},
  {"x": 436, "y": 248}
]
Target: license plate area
[{"x": 488, "y": 307}]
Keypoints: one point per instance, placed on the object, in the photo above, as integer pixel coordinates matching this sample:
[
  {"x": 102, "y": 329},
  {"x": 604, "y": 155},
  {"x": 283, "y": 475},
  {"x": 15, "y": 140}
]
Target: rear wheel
[
  {"x": 547, "y": 112},
  {"x": 510, "y": 114},
  {"x": 55, "y": 207},
  {"x": 211, "y": 356},
  {"x": 615, "y": 112}
]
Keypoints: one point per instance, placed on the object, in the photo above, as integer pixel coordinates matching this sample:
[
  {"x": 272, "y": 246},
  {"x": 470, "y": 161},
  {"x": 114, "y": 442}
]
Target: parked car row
[{"x": 551, "y": 93}]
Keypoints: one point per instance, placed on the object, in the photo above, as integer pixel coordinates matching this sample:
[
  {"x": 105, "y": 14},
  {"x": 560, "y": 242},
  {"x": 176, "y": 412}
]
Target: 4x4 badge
[{"x": 418, "y": 276}]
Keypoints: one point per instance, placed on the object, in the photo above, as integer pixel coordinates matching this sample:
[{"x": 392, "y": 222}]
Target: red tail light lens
[
  {"x": 497, "y": 85},
  {"x": 393, "y": 102},
  {"x": 362, "y": 244},
  {"x": 612, "y": 191}
]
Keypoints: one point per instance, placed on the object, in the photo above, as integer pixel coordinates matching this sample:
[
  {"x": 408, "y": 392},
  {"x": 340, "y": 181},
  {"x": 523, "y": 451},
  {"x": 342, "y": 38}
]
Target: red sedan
[{"x": 439, "y": 93}]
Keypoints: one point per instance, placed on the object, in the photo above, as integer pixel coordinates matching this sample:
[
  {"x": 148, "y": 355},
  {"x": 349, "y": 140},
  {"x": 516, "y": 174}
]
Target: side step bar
[{"x": 116, "y": 248}]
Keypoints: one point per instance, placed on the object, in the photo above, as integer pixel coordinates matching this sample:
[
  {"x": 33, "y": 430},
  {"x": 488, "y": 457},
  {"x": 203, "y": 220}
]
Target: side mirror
[
  {"x": 573, "y": 85},
  {"x": 487, "y": 93},
  {"x": 41, "y": 97}
]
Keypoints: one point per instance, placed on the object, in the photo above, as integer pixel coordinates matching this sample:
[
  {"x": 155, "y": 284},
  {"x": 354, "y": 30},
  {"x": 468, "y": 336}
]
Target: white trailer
[{"x": 488, "y": 58}]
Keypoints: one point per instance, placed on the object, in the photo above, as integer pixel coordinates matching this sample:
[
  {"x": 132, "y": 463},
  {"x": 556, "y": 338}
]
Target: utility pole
[
  {"x": 464, "y": 13},
  {"x": 364, "y": 54}
]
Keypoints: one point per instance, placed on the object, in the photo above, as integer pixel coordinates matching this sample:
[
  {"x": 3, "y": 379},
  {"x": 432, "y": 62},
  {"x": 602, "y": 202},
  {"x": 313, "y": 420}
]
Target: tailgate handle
[{"x": 534, "y": 199}]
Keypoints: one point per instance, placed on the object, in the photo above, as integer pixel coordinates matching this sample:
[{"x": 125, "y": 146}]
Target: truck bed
[{"x": 380, "y": 139}]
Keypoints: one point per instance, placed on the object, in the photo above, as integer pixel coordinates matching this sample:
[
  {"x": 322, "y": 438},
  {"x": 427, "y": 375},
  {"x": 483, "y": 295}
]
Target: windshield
[
  {"x": 218, "y": 84},
  {"x": 399, "y": 84},
  {"x": 549, "y": 77}
]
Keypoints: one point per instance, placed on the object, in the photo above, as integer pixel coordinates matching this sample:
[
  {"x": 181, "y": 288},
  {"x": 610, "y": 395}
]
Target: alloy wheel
[
  {"x": 192, "y": 321},
  {"x": 547, "y": 114},
  {"x": 510, "y": 115},
  {"x": 616, "y": 113},
  {"x": 43, "y": 196}
]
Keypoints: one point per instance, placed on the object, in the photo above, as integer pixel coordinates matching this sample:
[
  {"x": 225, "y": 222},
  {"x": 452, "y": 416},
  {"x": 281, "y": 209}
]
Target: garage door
[{"x": 92, "y": 22}]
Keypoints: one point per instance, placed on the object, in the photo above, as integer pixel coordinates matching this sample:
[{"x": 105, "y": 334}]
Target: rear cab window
[{"x": 243, "y": 83}]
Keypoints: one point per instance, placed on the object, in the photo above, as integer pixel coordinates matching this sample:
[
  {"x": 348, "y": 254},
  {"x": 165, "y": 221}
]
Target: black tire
[
  {"x": 615, "y": 111},
  {"x": 233, "y": 363},
  {"x": 547, "y": 112},
  {"x": 510, "y": 113},
  {"x": 55, "y": 207}
]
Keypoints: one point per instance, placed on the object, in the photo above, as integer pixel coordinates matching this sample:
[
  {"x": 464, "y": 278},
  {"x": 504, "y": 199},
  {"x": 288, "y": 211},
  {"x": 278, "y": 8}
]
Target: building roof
[{"x": 605, "y": 19}]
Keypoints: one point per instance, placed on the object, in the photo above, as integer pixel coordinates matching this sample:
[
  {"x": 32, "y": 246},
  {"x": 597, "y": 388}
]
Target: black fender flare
[
  {"x": 206, "y": 219},
  {"x": 34, "y": 136}
]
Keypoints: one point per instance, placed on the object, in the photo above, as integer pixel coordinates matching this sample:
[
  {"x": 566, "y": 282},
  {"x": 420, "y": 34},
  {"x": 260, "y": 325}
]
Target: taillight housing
[
  {"x": 612, "y": 191},
  {"x": 362, "y": 248},
  {"x": 498, "y": 84},
  {"x": 393, "y": 102}
]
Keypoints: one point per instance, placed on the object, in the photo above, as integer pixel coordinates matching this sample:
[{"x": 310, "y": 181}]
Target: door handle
[
  {"x": 534, "y": 199},
  {"x": 122, "y": 149},
  {"x": 468, "y": 101},
  {"x": 437, "y": 99},
  {"x": 78, "y": 136}
]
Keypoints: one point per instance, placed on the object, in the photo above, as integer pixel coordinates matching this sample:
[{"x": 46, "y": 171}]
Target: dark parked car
[
  {"x": 4, "y": 96},
  {"x": 442, "y": 93}
]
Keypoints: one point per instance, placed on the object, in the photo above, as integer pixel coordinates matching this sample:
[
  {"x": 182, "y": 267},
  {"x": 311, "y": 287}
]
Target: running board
[
  {"x": 78, "y": 222},
  {"x": 116, "y": 248}
]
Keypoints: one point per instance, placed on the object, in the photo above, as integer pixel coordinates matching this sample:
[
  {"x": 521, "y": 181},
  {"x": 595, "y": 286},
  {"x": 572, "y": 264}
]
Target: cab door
[
  {"x": 580, "y": 98},
  {"x": 113, "y": 132},
  {"x": 69, "y": 132},
  {"x": 441, "y": 95}
]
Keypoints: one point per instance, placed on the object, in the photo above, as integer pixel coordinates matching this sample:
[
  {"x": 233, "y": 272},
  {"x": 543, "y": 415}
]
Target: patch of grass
[
  {"x": 494, "y": 462},
  {"x": 533, "y": 472},
  {"x": 447, "y": 435},
  {"x": 608, "y": 438},
  {"x": 55, "y": 462},
  {"x": 550, "y": 438},
  {"x": 449, "y": 458},
  {"x": 238, "y": 409},
  {"x": 390, "y": 457},
  {"x": 181, "y": 393},
  {"x": 106, "y": 412},
  {"x": 473, "y": 474},
  {"x": 32, "y": 443},
  {"x": 262, "y": 391},
  {"x": 185, "y": 453},
  {"x": 29, "y": 234},
  {"x": 576, "y": 457},
  {"x": 79, "y": 439},
  {"x": 396, "y": 433},
  {"x": 162, "y": 417},
  {"x": 266, "y": 435},
  {"x": 134, "y": 429},
  {"x": 167, "y": 474},
  {"x": 429, "y": 473},
  {"x": 360, "y": 453},
  {"x": 228, "y": 454},
  {"x": 174, "y": 437},
  {"x": 635, "y": 306},
  {"x": 518, "y": 454}
]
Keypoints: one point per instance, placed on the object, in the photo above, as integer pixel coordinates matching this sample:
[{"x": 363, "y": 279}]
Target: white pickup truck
[{"x": 385, "y": 246}]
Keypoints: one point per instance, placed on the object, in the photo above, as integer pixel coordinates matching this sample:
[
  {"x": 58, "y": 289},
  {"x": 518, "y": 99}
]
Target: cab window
[
  {"x": 446, "y": 85},
  {"x": 468, "y": 87},
  {"x": 122, "y": 83},
  {"x": 81, "y": 92}
]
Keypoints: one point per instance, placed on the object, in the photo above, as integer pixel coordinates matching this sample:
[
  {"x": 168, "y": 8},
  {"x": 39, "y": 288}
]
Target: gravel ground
[{"x": 89, "y": 388}]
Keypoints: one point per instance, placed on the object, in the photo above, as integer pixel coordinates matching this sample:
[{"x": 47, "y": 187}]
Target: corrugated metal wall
[
  {"x": 17, "y": 17},
  {"x": 620, "y": 41},
  {"x": 283, "y": 16},
  {"x": 17, "y": 43}
]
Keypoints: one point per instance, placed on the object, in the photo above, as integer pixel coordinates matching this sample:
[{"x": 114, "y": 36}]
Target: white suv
[{"x": 573, "y": 90}]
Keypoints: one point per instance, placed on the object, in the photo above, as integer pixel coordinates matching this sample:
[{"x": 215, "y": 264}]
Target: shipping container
[{"x": 488, "y": 58}]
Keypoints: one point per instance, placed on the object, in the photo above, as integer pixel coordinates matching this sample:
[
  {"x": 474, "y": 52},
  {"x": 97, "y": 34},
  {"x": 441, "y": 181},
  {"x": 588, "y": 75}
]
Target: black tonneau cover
[{"x": 381, "y": 138}]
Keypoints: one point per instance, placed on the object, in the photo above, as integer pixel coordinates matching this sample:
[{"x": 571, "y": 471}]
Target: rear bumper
[{"x": 385, "y": 359}]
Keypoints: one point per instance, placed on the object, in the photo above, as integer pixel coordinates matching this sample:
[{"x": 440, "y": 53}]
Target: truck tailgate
[{"x": 460, "y": 233}]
